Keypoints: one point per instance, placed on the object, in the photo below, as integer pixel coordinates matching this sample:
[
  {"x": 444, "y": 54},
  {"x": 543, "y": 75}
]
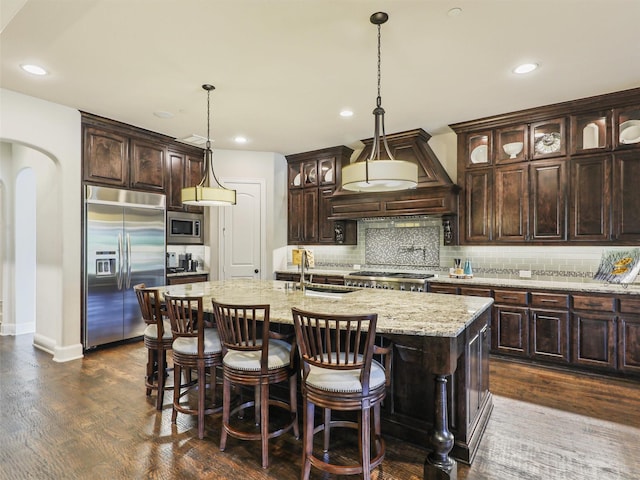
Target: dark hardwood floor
[{"x": 90, "y": 419}]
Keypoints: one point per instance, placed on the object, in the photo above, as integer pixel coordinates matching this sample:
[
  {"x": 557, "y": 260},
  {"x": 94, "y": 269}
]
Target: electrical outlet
[
  {"x": 525, "y": 273},
  {"x": 356, "y": 266}
]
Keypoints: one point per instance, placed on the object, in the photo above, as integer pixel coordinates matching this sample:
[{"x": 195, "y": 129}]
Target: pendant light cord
[
  {"x": 378, "y": 113},
  {"x": 208, "y": 153}
]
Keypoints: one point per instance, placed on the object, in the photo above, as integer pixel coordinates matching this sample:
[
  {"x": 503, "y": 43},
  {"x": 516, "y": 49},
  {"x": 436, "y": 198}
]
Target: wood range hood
[{"x": 435, "y": 194}]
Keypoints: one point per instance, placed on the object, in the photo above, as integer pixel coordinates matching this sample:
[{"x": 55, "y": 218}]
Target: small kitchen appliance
[{"x": 172, "y": 259}]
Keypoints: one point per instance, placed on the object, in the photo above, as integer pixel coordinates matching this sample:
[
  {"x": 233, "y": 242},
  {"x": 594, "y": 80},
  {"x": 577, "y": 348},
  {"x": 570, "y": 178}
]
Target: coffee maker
[{"x": 188, "y": 263}]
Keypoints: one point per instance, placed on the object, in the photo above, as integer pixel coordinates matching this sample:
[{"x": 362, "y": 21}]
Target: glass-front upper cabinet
[
  {"x": 590, "y": 131},
  {"x": 512, "y": 144},
  {"x": 479, "y": 148},
  {"x": 310, "y": 173},
  {"x": 327, "y": 170},
  {"x": 295, "y": 175},
  {"x": 627, "y": 121},
  {"x": 548, "y": 138}
]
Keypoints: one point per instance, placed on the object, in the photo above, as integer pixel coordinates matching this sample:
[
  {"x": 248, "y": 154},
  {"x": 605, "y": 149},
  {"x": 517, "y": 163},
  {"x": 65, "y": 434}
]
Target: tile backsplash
[
  {"x": 381, "y": 241},
  {"x": 412, "y": 246}
]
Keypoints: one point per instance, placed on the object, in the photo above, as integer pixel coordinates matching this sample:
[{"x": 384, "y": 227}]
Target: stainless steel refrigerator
[{"x": 124, "y": 245}]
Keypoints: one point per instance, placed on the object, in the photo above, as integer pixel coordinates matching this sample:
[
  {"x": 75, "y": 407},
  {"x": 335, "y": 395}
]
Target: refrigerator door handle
[
  {"x": 128, "y": 285},
  {"x": 120, "y": 262}
]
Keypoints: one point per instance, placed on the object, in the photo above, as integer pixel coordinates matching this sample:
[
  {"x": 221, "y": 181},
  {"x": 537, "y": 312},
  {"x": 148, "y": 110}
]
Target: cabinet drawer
[
  {"x": 511, "y": 297},
  {"x": 475, "y": 292},
  {"x": 442, "y": 288},
  {"x": 591, "y": 302},
  {"x": 549, "y": 300},
  {"x": 628, "y": 305}
]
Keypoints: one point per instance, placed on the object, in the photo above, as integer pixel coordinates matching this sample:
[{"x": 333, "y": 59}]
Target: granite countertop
[
  {"x": 594, "y": 287},
  {"x": 403, "y": 313},
  {"x": 591, "y": 286},
  {"x": 187, "y": 274}
]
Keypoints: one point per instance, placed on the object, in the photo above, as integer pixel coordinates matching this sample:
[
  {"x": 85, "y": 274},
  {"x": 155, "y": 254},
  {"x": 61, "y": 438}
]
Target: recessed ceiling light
[
  {"x": 163, "y": 114},
  {"x": 525, "y": 68},
  {"x": 33, "y": 69},
  {"x": 346, "y": 113},
  {"x": 240, "y": 139},
  {"x": 454, "y": 12}
]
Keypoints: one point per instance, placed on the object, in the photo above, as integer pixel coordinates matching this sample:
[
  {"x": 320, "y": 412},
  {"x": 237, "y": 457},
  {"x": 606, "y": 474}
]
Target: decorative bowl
[{"x": 513, "y": 149}]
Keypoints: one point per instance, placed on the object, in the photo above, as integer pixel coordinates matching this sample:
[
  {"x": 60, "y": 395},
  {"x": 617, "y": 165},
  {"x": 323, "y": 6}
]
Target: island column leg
[{"x": 439, "y": 465}]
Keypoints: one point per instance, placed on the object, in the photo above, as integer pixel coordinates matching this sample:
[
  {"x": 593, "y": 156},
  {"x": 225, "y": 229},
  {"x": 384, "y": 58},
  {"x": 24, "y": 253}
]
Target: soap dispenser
[{"x": 467, "y": 268}]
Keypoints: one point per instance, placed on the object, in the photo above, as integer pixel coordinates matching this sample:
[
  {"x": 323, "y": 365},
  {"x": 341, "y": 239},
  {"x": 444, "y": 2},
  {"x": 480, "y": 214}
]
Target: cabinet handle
[
  {"x": 509, "y": 298},
  {"x": 592, "y": 304},
  {"x": 544, "y": 300}
]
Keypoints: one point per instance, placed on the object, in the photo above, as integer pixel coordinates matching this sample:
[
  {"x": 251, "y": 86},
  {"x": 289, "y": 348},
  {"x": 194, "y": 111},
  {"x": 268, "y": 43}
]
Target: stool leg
[
  {"x": 226, "y": 411},
  {"x": 149, "y": 379},
  {"x": 202, "y": 389},
  {"x": 307, "y": 432},
  {"x": 327, "y": 428},
  {"x": 377, "y": 428},
  {"x": 365, "y": 442},
  {"x": 177, "y": 389},
  {"x": 264, "y": 423},
  {"x": 162, "y": 358},
  {"x": 293, "y": 402}
]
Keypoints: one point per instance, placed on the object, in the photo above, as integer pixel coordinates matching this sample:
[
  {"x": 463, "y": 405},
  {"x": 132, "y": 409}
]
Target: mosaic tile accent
[{"x": 411, "y": 246}]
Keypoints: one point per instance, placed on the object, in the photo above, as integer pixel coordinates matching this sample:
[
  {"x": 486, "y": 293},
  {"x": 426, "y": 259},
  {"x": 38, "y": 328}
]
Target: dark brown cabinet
[
  {"x": 105, "y": 157},
  {"x": 510, "y": 323},
  {"x": 120, "y": 160},
  {"x": 512, "y": 203},
  {"x": 182, "y": 279},
  {"x": 555, "y": 174},
  {"x": 478, "y": 198},
  {"x": 123, "y": 156},
  {"x": 590, "y": 198},
  {"x": 147, "y": 165},
  {"x": 549, "y": 327},
  {"x": 185, "y": 170},
  {"x": 548, "y": 209},
  {"x": 629, "y": 336},
  {"x": 311, "y": 277},
  {"x": 626, "y": 197},
  {"x": 442, "y": 288},
  {"x": 593, "y": 333},
  {"x": 313, "y": 177},
  {"x": 577, "y": 330}
]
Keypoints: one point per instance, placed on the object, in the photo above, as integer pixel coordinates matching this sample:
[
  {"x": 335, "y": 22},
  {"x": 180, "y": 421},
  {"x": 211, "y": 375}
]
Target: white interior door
[{"x": 243, "y": 232}]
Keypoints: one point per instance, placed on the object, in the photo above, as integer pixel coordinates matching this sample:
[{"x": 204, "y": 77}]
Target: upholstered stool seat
[
  {"x": 151, "y": 331},
  {"x": 157, "y": 339},
  {"x": 339, "y": 373},
  {"x": 195, "y": 347},
  {"x": 254, "y": 356}
]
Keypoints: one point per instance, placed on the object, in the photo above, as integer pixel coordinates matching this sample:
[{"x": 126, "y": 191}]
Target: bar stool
[
  {"x": 194, "y": 347},
  {"x": 157, "y": 339},
  {"x": 257, "y": 357},
  {"x": 339, "y": 373}
]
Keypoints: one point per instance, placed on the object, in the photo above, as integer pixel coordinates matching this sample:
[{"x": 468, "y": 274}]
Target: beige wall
[{"x": 47, "y": 138}]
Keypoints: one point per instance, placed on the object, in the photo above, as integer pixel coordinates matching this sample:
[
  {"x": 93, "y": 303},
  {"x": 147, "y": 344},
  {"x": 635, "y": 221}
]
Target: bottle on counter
[{"x": 467, "y": 268}]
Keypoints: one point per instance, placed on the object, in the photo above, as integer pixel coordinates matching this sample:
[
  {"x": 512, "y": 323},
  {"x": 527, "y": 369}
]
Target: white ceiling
[{"x": 283, "y": 69}]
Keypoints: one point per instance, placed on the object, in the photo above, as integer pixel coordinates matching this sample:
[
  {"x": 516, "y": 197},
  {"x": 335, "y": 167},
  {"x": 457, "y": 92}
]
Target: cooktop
[{"x": 391, "y": 274}]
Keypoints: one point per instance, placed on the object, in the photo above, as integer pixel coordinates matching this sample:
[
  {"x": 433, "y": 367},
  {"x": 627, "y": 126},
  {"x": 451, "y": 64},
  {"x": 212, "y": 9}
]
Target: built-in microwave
[{"x": 185, "y": 228}]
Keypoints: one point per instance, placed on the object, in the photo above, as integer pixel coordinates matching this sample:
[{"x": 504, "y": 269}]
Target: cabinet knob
[{"x": 256, "y": 271}]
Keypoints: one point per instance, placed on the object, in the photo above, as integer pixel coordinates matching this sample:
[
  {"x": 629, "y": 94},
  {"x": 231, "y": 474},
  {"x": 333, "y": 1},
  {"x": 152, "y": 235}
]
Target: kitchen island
[{"x": 439, "y": 395}]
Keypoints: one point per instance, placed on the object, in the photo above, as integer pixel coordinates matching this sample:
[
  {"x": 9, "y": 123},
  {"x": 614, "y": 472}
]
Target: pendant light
[
  {"x": 374, "y": 174},
  {"x": 209, "y": 192}
]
